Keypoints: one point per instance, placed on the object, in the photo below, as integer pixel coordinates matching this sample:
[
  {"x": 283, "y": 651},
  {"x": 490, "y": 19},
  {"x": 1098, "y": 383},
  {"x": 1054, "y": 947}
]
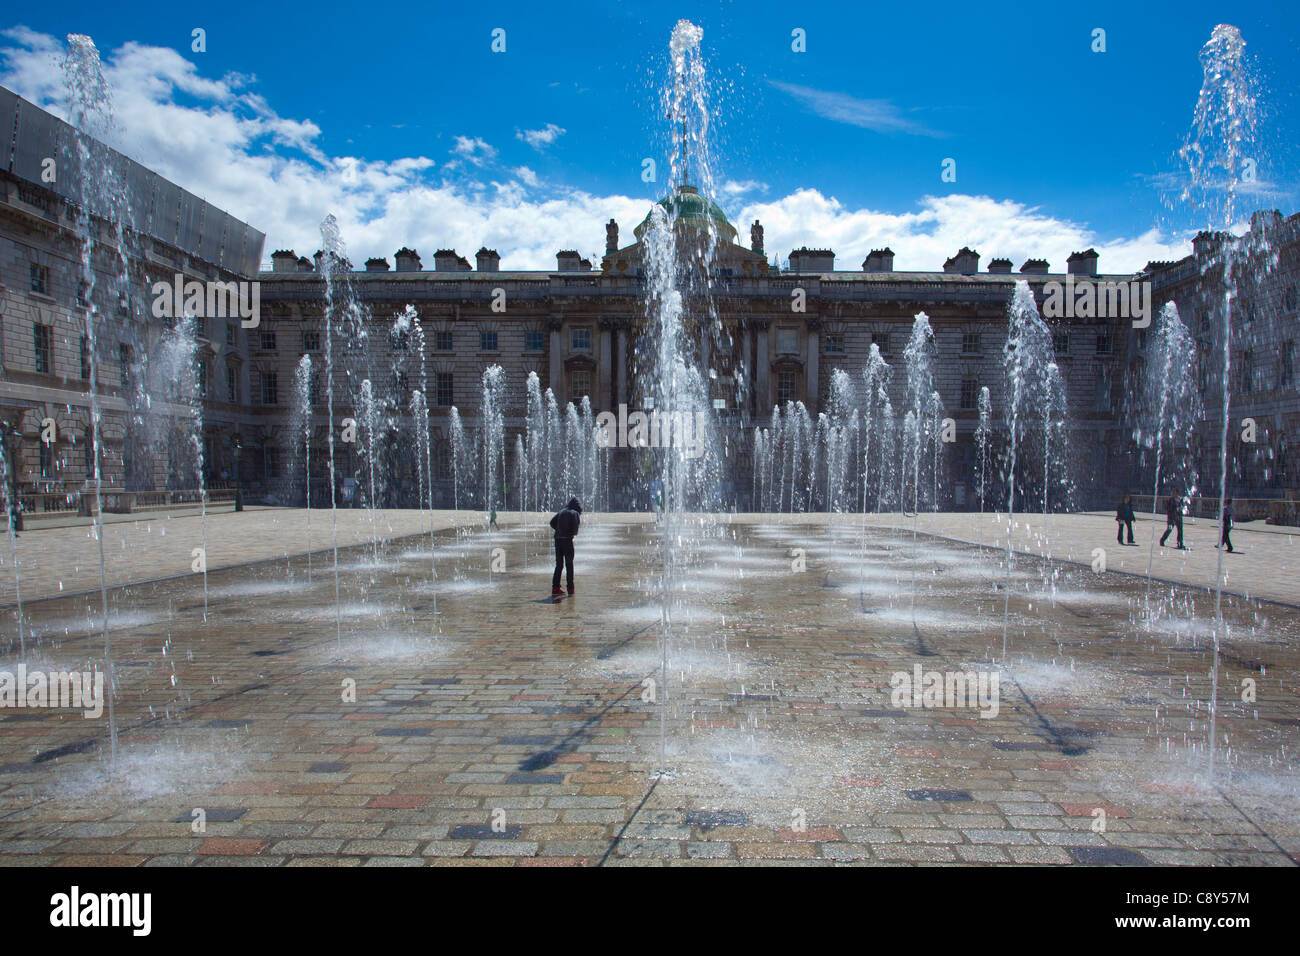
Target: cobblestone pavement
[{"x": 471, "y": 721}]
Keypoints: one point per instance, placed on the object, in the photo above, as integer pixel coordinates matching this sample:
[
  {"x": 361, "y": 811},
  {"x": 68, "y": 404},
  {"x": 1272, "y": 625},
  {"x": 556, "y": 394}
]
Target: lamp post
[{"x": 238, "y": 442}]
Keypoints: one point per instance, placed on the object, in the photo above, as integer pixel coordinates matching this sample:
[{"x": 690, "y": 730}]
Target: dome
[{"x": 688, "y": 207}]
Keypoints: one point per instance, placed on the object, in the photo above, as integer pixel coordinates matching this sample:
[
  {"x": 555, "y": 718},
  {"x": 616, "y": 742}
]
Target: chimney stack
[
  {"x": 879, "y": 260},
  {"x": 408, "y": 260},
  {"x": 284, "y": 260},
  {"x": 965, "y": 262},
  {"x": 488, "y": 260},
  {"x": 1000, "y": 266},
  {"x": 1082, "y": 263},
  {"x": 1034, "y": 267}
]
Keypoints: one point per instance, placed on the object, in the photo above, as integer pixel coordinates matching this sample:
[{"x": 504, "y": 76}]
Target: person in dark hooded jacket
[{"x": 566, "y": 524}]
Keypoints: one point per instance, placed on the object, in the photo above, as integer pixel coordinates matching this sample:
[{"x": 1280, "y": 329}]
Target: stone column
[
  {"x": 603, "y": 387},
  {"x": 747, "y": 365},
  {"x": 621, "y": 357},
  {"x": 763, "y": 388},
  {"x": 556, "y": 383},
  {"x": 811, "y": 390}
]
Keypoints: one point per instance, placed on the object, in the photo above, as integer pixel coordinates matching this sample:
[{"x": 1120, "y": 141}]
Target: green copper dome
[{"x": 688, "y": 207}]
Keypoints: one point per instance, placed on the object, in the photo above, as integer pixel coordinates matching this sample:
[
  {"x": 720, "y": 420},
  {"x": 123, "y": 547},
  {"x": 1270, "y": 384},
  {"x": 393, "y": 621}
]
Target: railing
[
  {"x": 1279, "y": 511},
  {"x": 53, "y": 502}
]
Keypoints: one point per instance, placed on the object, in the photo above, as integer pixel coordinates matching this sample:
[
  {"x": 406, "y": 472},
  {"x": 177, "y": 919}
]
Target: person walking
[
  {"x": 1124, "y": 518},
  {"x": 1225, "y": 541},
  {"x": 1173, "y": 519},
  {"x": 565, "y": 523}
]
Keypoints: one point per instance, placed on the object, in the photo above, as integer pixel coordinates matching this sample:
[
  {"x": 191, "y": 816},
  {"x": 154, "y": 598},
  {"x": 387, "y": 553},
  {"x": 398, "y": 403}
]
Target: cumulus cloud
[
  {"x": 539, "y": 139},
  {"x": 474, "y": 149},
  {"x": 939, "y": 226},
  {"x": 225, "y": 142}
]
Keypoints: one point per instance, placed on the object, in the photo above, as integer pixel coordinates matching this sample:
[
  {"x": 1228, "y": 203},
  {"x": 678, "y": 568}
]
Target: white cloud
[
  {"x": 879, "y": 115},
  {"x": 733, "y": 187},
  {"x": 539, "y": 139},
  {"x": 230, "y": 146},
  {"x": 474, "y": 149},
  {"x": 941, "y": 225}
]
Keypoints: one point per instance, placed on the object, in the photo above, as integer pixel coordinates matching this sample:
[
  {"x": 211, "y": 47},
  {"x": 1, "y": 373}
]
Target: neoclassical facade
[{"x": 782, "y": 333}]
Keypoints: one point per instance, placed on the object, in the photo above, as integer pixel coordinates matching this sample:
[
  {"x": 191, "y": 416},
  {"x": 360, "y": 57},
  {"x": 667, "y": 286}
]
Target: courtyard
[{"x": 444, "y": 711}]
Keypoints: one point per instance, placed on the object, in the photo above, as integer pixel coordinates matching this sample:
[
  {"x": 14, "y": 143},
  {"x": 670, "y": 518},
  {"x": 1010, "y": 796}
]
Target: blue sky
[{"x": 414, "y": 131}]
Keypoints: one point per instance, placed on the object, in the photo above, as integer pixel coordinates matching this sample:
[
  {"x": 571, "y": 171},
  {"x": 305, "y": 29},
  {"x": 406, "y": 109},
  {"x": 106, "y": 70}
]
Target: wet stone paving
[{"x": 472, "y": 721}]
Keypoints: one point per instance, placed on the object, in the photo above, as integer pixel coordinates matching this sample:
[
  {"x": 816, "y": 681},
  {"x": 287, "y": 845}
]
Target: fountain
[
  {"x": 1026, "y": 357},
  {"x": 100, "y": 196},
  {"x": 300, "y": 425},
  {"x": 1216, "y": 151},
  {"x": 982, "y": 433}
]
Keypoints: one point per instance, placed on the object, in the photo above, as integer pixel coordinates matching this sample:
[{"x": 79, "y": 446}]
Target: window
[
  {"x": 1247, "y": 374},
  {"x": 534, "y": 341},
  {"x": 579, "y": 385},
  {"x": 200, "y": 328},
  {"x": 202, "y": 373},
  {"x": 230, "y": 333},
  {"x": 443, "y": 394},
  {"x": 881, "y": 341},
  {"x": 970, "y": 344},
  {"x": 1286, "y": 365},
  {"x": 267, "y": 341},
  {"x": 403, "y": 384},
  {"x": 969, "y": 391},
  {"x": 487, "y": 342},
  {"x": 442, "y": 341},
  {"x": 270, "y": 391},
  {"x": 1103, "y": 342},
  {"x": 443, "y": 461},
  {"x": 88, "y": 452},
  {"x": 41, "y": 342},
  {"x": 47, "y": 461},
  {"x": 85, "y": 358},
  {"x": 787, "y": 387},
  {"x": 310, "y": 341},
  {"x": 124, "y": 364},
  {"x": 1061, "y": 343},
  {"x": 83, "y": 294},
  {"x": 787, "y": 341},
  {"x": 315, "y": 387},
  {"x": 40, "y": 276},
  {"x": 834, "y": 343},
  {"x": 1289, "y": 299},
  {"x": 580, "y": 340},
  {"x": 399, "y": 340},
  {"x": 1142, "y": 339},
  {"x": 232, "y": 383},
  {"x": 271, "y": 460}
]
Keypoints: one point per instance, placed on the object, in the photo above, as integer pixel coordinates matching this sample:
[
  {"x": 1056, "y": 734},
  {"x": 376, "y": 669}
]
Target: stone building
[
  {"x": 45, "y": 359},
  {"x": 781, "y": 335}
]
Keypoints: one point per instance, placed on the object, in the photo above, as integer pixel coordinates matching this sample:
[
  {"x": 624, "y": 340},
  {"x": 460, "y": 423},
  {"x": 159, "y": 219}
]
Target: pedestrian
[
  {"x": 566, "y": 524},
  {"x": 1124, "y": 518},
  {"x": 1173, "y": 519},
  {"x": 1225, "y": 541}
]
